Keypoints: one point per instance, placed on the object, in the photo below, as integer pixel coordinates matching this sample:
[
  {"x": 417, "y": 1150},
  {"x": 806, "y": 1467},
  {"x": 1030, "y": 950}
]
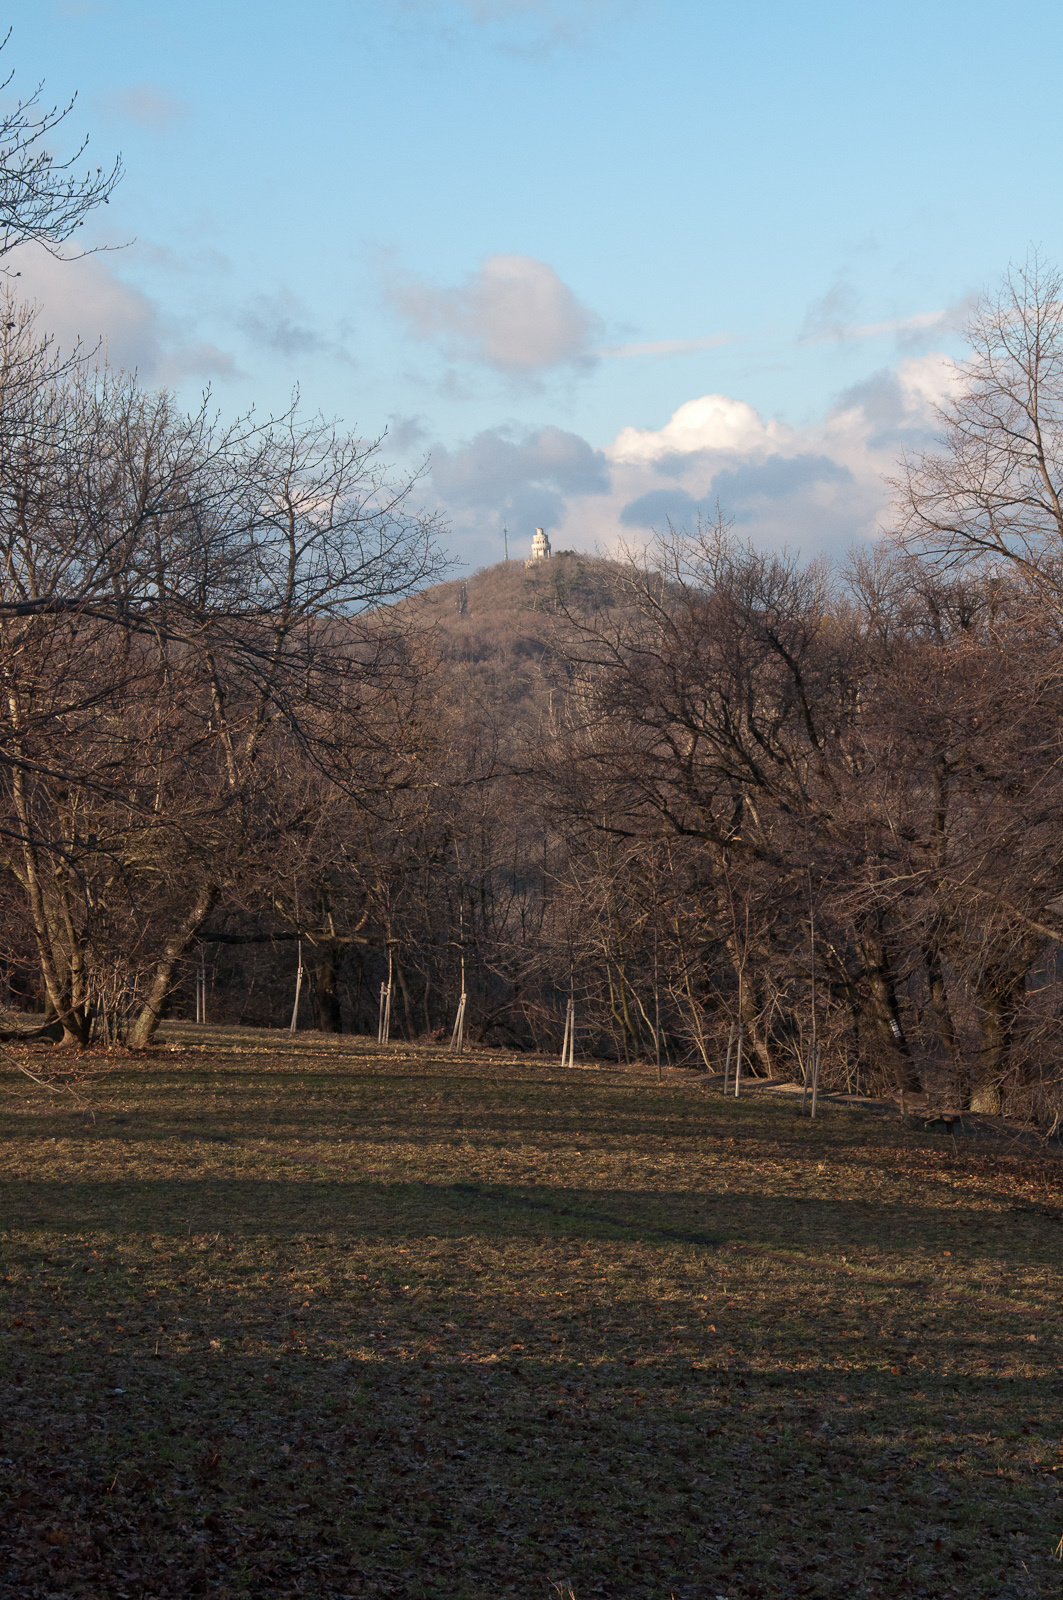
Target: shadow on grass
[
  {"x": 281, "y": 1207},
  {"x": 255, "y": 1472}
]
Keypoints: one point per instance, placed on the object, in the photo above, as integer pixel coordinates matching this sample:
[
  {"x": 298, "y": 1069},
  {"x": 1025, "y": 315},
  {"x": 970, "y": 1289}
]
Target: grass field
[{"x": 339, "y": 1321}]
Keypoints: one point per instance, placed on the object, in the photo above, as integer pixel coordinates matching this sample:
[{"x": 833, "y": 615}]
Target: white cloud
[
  {"x": 833, "y": 319},
  {"x": 816, "y": 488},
  {"x": 83, "y": 300},
  {"x": 929, "y": 380},
  {"x": 904, "y": 329},
  {"x": 921, "y": 322},
  {"x": 715, "y": 422},
  {"x": 513, "y": 314}
]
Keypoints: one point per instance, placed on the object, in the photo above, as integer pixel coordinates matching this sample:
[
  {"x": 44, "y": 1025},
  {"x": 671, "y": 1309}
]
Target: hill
[
  {"x": 511, "y": 610},
  {"x": 496, "y": 628}
]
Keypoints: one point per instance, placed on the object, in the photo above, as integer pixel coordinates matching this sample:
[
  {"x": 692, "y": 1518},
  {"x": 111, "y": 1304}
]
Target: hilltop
[
  {"x": 511, "y": 609},
  {"x": 497, "y": 626}
]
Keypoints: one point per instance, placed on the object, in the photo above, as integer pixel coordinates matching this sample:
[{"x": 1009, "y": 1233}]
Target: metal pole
[
  {"x": 815, "y": 1078},
  {"x": 738, "y": 1057}
]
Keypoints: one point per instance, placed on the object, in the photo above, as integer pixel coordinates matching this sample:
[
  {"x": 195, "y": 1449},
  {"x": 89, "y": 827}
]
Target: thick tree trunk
[
  {"x": 939, "y": 999},
  {"x": 147, "y": 1020},
  {"x": 885, "y": 1013},
  {"x": 407, "y": 1007},
  {"x": 60, "y": 999},
  {"x": 329, "y": 1014},
  {"x": 999, "y": 997},
  {"x": 750, "y": 1007}
]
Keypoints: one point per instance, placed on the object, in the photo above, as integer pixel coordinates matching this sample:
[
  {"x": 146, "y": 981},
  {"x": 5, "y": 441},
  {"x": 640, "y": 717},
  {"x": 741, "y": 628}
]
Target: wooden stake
[
  {"x": 201, "y": 987},
  {"x": 384, "y": 1029},
  {"x": 738, "y": 1057},
  {"x": 656, "y": 1005},
  {"x": 457, "y": 1038},
  {"x": 298, "y": 990},
  {"x": 815, "y": 1078},
  {"x": 568, "y": 1047},
  {"x": 727, "y": 1063}
]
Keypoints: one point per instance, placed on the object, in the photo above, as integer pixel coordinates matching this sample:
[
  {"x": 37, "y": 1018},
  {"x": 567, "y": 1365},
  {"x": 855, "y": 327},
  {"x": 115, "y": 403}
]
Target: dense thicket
[{"x": 704, "y": 789}]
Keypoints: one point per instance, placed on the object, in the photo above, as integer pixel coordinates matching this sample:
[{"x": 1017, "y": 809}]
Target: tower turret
[{"x": 540, "y": 550}]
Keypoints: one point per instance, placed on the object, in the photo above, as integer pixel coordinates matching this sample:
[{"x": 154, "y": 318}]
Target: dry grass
[{"x": 336, "y": 1321}]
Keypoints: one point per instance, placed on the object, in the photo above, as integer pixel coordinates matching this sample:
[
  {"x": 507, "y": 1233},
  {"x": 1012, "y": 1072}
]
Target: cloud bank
[
  {"x": 528, "y": 481},
  {"x": 817, "y": 489}
]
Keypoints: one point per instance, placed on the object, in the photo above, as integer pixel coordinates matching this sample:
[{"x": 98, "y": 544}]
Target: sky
[{"x": 593, "y": 265}]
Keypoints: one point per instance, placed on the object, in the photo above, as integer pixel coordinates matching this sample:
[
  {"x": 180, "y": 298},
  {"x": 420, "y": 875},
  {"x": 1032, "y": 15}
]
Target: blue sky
[{"x": 601, "y": 262}]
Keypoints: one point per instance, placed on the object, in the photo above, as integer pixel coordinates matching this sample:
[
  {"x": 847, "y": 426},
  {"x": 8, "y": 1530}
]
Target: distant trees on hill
[{"x": 707, "y": 791}]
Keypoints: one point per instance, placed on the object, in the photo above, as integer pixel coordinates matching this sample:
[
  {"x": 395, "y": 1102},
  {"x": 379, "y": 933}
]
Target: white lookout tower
[{"x": 540, "y": 548}]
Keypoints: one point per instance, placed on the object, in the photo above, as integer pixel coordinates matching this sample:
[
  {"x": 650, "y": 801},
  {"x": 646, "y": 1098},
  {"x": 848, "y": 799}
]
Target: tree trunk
[
  {"x": 147, "y": 1020},
  {"x": 329, "y": 1014},
  {"x": 999, "y": 997},
  {"x": 885, "y": 1012},
  {"x": 407, "y": 1007},
  {"x": 60, "y": 1001},
  {"x": 939, "y": 1000}
]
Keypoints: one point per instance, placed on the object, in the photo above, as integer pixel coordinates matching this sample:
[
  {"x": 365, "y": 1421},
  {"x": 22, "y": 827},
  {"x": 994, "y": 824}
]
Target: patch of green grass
[{"x": 312, "y": 1318}]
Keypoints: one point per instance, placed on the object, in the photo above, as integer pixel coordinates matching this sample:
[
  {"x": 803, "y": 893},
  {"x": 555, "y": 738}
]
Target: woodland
[
  {"x": 257, "y": 752},
  {"x": 249, "y": 736}
]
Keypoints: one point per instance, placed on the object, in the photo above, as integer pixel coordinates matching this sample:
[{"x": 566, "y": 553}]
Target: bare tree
[
  {"x": 183, "y": 608},
  {"x": 993, "y": 492},
  {"x": 44, "y": 199}
]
